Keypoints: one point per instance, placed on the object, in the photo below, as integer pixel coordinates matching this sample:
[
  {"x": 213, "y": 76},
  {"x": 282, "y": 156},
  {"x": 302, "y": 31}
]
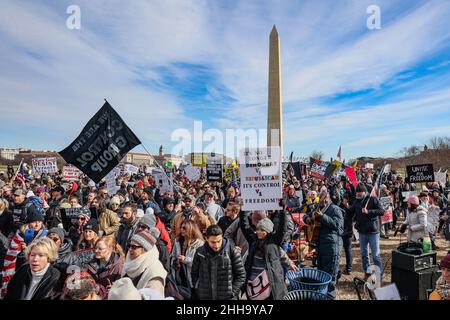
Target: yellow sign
[{"x": 198, "y": 159}]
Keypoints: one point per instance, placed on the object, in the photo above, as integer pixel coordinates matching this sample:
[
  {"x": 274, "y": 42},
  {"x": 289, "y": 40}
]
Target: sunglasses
[
  {"x": 55, "y": 239},
  {"x": 81, "y": 218},
  {"x": 141, "y": 226},
  {"x": 133, "y": 246}
]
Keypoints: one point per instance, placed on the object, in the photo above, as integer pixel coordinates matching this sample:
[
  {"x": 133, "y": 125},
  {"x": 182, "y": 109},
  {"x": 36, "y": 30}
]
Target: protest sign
[
  {"x": 130, "y": 169},
  {"x": 193, "y": 173},
  {"x": 261, "y": 178},
  {"x": 162, "y": 181},
  {"x": 318, "y": 168},
  {"x": 198, "y": 159},
  {"x": 407, "y": 194},
  {"x": 441, "y": 178},
  {"x": 71, "y": 173},
  {"x": 386, "y": 203},
  {"x": 44, "y": 165},
  {"x": 102, "y": 143},
  {"x": 68, "y": 216},
  {"x": 214, "y": 172},
  {"x": 368, "y": 166},
  {"x": 111, "y": 184},
  {"x": 433, "y": 218},
  {"x": 420, "y": 173}
]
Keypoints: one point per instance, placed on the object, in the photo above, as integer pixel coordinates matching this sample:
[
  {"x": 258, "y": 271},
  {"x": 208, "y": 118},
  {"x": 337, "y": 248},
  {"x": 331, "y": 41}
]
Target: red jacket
[{"x": 164, "y": 234}]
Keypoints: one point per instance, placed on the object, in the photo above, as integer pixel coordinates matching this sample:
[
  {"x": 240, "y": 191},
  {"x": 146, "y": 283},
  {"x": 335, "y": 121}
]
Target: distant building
[
  {"x": 9, "y": 154},
  {"x": 161, "y": 158},
  {"x": 138, "y": 158}
]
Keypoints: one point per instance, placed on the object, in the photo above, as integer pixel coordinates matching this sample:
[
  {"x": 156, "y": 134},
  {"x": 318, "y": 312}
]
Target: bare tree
[{"x": 317, "y": 155}]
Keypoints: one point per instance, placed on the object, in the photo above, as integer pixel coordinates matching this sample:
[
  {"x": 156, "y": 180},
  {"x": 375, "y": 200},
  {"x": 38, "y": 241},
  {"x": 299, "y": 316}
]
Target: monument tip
[{"x": 274, "y": 31}]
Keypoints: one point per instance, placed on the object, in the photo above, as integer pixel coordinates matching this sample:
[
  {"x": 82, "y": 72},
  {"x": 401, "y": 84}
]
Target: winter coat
[
  {"x": 217, "y": 275},
  {"x": 109, "y": 222},
  {"x": 237, "y": 238},
  {"x": 348, "y": 221},
  {"x": 417, "y": 222},
  {"x": 125, "y": 234},
  {"x": 293, "y": 203},
  {"x": 164, "y": 234},
  {"x": 20, "y": 283},
  {"x": 272, "y": 253},
  {"x": 203, "y": 221},
  {"x": 366, "y": 223},
  {"x": 225, "y": 222},
  {"x": 167, "y": 217},
  {"x": 53, "y": 215},
  {"x": 105, "y": 275},
  {"x": 187, "y": 263},
  {"x": 290, "y": 227},
  {"x": 77, "y": 258}
]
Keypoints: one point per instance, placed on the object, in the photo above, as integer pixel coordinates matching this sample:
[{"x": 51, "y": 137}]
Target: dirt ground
[{"x": 346, "y": 289}]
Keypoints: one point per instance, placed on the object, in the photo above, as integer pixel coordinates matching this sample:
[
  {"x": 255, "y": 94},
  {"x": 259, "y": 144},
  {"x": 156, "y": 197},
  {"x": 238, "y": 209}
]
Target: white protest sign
[
  {"x": 389, "y": 292},
  {"x": 407, "y": 194},
  {"x": 368, "y": 166},
  {"x": 193, "y": 173},
  {"x": 45, "y": 165},
  {"x": 130, "y": 169},
  {"x": 441, "y": 178},
  {"x": 162, "y": 180},
  {"x": 111, "y": 184},
  {"x": 261, "y": 178},
  {"x": 433, "y": 218},
  {"x": 71, "y": 173}
]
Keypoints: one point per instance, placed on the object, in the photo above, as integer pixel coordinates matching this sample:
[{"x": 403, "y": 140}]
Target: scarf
[
  {"x": 147, "y": 264},
  {"x": 443, "y": 288}
]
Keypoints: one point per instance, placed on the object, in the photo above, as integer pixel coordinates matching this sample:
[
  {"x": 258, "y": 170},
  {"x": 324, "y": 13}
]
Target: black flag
[
  {"x": 329, "y": 171},
  {"x": 104, "y": 141}
]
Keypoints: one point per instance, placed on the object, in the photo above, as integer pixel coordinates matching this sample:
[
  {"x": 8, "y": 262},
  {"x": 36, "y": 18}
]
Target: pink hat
[{"x": 414, "y": 200}]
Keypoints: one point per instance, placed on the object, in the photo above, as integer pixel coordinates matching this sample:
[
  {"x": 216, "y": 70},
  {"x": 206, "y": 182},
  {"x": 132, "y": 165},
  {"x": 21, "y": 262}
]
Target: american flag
[{"x": 20, "y": 174}]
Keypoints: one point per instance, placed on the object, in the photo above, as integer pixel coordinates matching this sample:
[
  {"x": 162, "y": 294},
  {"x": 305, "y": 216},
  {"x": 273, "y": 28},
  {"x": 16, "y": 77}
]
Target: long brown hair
[
  {"x": 111, "y": 243},
  {"x": 192, "y": 231}
]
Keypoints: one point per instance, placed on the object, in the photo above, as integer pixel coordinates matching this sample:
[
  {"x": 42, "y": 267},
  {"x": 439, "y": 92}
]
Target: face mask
[{"x": 359, "y": 197}]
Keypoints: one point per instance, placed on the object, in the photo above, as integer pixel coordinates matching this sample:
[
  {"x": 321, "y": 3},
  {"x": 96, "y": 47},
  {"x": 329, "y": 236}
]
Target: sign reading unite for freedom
[
  {"x": 102, "y": 143},
  {"x": 261, "y": 180},
  {"x": 420, "y": 173},
  {"x": 44, "y": 165}
]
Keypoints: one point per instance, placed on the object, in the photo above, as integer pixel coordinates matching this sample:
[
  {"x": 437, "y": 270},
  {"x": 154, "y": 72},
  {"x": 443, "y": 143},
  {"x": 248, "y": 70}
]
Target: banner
[
  {"x": 193, "y": 173},
  {"x": 420, "y": 173},
  {"x": 102, "y": 143},
  {"x": 318, "y": 168},
  {"x": 329, "y": 171},
  {"x": 130, "y": 169},
  {"x": 214, "y": 172},
  {"x": 44, "y": 165},
  {"x": 261, "y": 178},
  {"x": 71, "y": 173}
]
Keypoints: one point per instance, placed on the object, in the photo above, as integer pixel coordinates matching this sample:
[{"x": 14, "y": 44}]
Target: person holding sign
[
  {"x": 416, "y": 221},
  {"x": 265, "y": 260},
  {"x": 366, "y": 210}
]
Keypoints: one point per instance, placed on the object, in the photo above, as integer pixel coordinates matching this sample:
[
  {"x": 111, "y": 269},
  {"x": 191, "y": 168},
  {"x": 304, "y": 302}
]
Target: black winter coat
[
  {"x": 367, "y": 223},
  {"x": 20, "y": 283},
  {"x": 218, "y": 276},
  {"x": 272, "y": 253}
]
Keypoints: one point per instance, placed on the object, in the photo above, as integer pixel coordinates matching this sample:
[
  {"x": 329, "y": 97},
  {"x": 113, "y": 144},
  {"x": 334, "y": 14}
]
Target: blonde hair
[
  {"x": 46, "y": 245},
  {"x": 192, "y": 231},
  {"x": 112, "y": 243},
  {"x": 3, "y": 205}
]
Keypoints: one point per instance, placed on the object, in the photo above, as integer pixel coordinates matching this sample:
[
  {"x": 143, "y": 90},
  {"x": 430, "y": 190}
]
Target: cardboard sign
[
  {"x": 214, "y": 172},
  {"x": 318, "y": 168},
  {"x": 420, "y": 173},
  {"x": 71, "y": 173},
  {"x": 44, "y": 165},
  {"x": 198, "y": 159},
  {"x": 261, "y": 178}
]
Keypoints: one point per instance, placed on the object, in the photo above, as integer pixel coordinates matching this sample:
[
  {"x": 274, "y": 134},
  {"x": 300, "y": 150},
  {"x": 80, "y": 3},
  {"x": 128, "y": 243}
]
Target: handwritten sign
[
  {"x": 44, "y": 165},
  {"x": 71, "y": 173},
  {"x": 420, "y": 173}
]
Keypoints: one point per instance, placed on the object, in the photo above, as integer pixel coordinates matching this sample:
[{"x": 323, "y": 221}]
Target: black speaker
[{"x": 414, "y": 285}]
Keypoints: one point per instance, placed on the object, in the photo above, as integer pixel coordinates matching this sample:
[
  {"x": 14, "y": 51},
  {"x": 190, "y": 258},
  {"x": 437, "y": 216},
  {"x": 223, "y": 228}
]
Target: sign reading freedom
[
  {"x": 102, "y": 143},
  {"x": 420, "y": 173}
]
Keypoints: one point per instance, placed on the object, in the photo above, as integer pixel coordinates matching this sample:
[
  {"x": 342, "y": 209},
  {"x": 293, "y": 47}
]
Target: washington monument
[{"x": 275, "y": 107}]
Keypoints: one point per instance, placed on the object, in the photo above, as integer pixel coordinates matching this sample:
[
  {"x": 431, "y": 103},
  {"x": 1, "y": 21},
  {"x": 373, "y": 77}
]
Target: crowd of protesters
[{"x": 196, "y": 242}]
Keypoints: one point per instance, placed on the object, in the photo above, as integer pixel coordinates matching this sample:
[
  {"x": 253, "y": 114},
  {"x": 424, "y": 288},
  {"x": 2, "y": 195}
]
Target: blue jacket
[{"x": 366, "y": 223}]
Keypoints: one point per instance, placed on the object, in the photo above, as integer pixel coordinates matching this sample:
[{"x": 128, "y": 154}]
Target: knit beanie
[
  {"x": 155, "y": 232},
  {"x": 35, "y": 216},
  {"x": 149, "y": 220},
  {"x": 445, "y": 262},
  {"x": 265, "y": 224},
  {"x": 58, "y": 231},
  {"x": 115, "y": 200},
  {"x": 145, "y": 239},
  {"x": 361, "y": 188},
  {"x": 92, "y": 225},
  {"x": 123, "y": 289}
]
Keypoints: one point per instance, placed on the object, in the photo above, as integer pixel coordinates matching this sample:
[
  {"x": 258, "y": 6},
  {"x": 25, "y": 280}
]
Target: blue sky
[{"x": 165, "y": 64}]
